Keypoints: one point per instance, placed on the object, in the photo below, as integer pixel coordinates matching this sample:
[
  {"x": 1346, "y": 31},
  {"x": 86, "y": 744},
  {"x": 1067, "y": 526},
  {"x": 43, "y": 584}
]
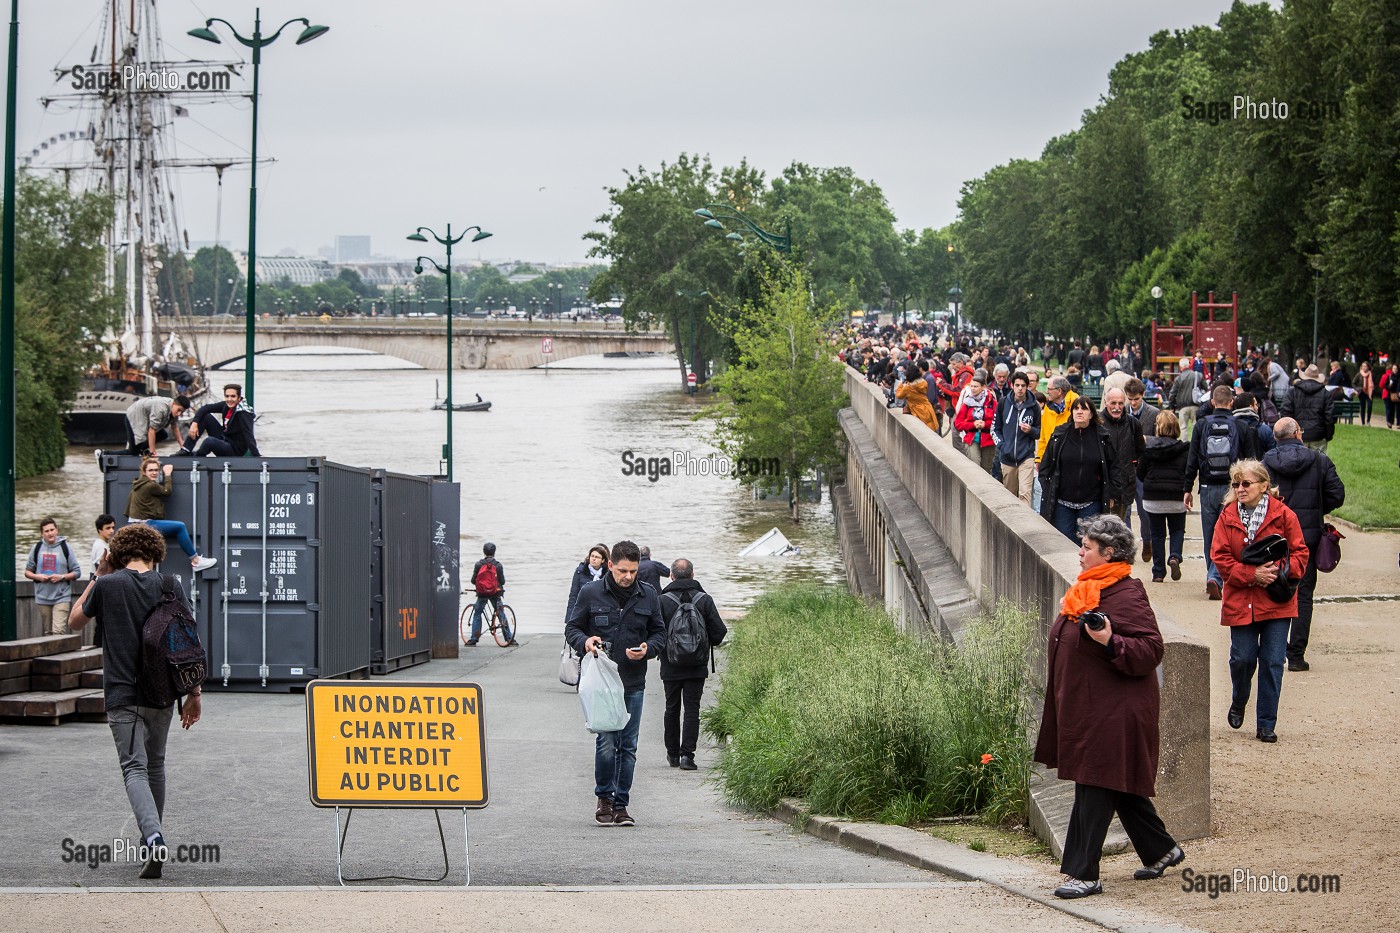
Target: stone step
[
  {"x": 39, "y": 704},
  {"x": 9, "y": 669},
  {"x": 91, "y": 679},
  {"x": 69, "y": 662},
  {"x": 36, "y": 647},
  {"x": 15, "y": 685}
]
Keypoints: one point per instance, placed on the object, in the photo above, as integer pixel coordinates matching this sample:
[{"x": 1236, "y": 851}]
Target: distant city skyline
[{"x": 517, "y": 117}]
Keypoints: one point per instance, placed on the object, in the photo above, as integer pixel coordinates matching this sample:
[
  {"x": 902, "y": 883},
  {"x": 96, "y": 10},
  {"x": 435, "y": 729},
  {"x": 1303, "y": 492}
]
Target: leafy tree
[
  {"x": 208, "y": 262},
  {"x": 781, "y": 397},
  {"x": 62, "y": 307}
]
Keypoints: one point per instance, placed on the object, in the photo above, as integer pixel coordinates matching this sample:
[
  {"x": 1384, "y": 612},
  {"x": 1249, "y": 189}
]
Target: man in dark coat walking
[
  {"x": 1310, "y": 486},
  {"x": 685, "y": 683},
  {"x": 1128, "y": 441},
  {"x": 1309, "y": 402}
]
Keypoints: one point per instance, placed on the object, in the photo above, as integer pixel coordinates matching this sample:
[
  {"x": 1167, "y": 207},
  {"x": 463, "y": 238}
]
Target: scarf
[
  {"x": 1253, "y": 518},
  {"x": 621, "y": 594},
  {"x": 597, "y": 573},
  {"x": 1084, "y": 594}
]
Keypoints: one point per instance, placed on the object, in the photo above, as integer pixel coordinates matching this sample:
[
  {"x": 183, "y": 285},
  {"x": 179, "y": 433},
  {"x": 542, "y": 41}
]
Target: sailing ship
[{"x": 122, "y": 144}]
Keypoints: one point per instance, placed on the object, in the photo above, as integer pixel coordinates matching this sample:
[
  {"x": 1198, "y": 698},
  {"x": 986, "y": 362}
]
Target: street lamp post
[
  {"x": 447, "y": 242},
  {"x": 9, "y": 617},
  {"x": 256, "y": 42},
  {"x": 715, "y": 215}
]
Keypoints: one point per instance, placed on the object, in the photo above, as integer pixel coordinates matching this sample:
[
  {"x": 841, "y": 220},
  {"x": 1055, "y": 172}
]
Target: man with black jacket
[
  {"x": 1129, "y": 442},
  {"x": 1309, "y": 403},
  {"x": 620, "y": 616},
  {"x": 685, "y": 683},
  {"x": 227, "y": 427},
  {"x": 1213, "y": 469},
  {"x": 1310, "y": 486}
]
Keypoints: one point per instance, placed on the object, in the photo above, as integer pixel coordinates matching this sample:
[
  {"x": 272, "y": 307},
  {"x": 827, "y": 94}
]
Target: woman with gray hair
[{"x": 1099, "y": 726}]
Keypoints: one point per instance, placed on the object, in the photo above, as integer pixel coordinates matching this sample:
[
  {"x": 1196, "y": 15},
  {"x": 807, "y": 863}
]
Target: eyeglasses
[{"x": 1244, "y": 484}]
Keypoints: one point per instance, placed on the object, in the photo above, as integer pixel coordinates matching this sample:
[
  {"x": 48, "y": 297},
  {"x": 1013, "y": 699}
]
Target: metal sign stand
[{"x": 442, "y": 838}]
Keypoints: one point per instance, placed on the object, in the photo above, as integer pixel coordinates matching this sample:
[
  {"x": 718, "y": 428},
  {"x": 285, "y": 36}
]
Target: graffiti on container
[{"x": 408, "y": 623}]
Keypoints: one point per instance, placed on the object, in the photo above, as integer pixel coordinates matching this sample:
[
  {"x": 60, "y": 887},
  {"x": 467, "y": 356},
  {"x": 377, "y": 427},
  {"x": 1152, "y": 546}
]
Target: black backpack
[
  {"x": 687, "y": 636},
  {"x": 172, "y": 659}
]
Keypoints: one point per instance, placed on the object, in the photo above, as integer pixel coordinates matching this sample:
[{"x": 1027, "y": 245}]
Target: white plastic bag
[{"x": 600, "y": 693}]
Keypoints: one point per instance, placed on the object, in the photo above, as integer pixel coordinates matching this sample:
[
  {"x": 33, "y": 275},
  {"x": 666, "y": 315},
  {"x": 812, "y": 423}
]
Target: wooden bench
[{"x": 1346, "y": 409}]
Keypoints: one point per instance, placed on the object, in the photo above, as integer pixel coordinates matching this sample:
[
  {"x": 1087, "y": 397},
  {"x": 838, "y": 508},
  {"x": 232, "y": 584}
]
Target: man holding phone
[{"x": 621, "y": 616}]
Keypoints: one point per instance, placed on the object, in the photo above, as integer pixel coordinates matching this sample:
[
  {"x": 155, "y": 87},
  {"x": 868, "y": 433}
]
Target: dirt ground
[{"x": 1323, "y": 800}]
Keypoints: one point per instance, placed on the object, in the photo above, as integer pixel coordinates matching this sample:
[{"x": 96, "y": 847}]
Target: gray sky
[{"x": 429, "y": 111}]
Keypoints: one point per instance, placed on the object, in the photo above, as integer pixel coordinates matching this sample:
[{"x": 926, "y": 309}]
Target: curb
[{"x": 920, "y": 850}]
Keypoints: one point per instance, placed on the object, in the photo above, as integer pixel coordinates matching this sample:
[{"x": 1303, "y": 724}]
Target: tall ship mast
[{"x": 122, "y": 105}]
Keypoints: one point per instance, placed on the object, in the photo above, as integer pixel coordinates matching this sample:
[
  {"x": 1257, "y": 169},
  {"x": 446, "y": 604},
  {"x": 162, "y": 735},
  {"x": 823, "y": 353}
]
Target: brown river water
[{"x": 541, "y": 473}]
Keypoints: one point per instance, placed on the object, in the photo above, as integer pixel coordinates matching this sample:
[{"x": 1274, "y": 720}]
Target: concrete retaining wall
[{"x": 946, "y": 541}]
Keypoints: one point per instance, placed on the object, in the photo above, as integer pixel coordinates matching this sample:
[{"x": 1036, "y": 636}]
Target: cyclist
[{"x": 489, "y": 579}]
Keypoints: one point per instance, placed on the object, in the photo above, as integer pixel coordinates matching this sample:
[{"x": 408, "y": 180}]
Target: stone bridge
[
  {"x": 934, "y": 538},
  {"x": 476, "y": 344}
]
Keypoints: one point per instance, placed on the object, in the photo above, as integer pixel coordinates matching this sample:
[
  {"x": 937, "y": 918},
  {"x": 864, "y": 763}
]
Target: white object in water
[{"x": 772, "y": 544}]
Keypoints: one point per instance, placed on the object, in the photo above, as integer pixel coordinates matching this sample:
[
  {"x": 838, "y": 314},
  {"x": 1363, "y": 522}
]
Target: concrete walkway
[{"x": 238, "y": 780}]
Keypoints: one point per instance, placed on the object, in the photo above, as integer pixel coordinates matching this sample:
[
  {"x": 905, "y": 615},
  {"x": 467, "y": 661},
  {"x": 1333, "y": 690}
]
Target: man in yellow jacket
[{"x": 1059, "y": 396}]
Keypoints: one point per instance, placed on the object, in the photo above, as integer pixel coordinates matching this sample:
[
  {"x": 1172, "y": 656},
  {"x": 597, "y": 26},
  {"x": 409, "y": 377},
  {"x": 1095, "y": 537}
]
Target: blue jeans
[
  {"x": 1171, "y": 524},
  {"x": 177, "y": 530},
  {"x": 1211, "y": 499},
  {"x": 1067, "y": 519},
  {"x": 1142, "y": 513},
  {"x": 1262, "y": 645},
  {"x": 479, "y": 608},
  {"x": 615, "y": 755}
]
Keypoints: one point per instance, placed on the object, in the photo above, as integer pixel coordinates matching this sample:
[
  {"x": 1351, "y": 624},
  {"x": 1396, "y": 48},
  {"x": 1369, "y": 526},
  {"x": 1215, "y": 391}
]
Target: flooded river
[{"x": 541, "y": 473}]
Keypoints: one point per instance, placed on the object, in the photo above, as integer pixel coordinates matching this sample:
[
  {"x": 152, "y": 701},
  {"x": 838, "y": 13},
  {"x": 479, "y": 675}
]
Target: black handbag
[{"x": 1267, "y": 550}]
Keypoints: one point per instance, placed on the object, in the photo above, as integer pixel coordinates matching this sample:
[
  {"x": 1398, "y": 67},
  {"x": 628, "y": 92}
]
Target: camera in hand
[{"x": 1094, "y": 620}]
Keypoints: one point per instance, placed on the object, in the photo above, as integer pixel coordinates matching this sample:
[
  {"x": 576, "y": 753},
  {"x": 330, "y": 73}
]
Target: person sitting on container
[
  {"x": 146, "y": 503},
  {"x": 227, "y": 427},
  {"x": 914, "y": 391}
]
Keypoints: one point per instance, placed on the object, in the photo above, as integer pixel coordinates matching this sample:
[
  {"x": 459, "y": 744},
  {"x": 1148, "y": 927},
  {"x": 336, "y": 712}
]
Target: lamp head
[
  {"x": 418, "y": 269},
  {"x": 481, "y": 235},
  {"x": 311, "y": 32},
  {"x": 1156, "y": 291},
  {"x": 205, "y": 33},
  {"x": 734, "y": 236},
  {"x": 417, "y": 238},
  {"x": 714, "y": 223},
  {"x": 704, "y": 212}
]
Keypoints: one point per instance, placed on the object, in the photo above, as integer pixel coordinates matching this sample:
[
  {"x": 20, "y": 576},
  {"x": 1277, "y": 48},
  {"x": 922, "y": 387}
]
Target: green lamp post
[
  {"x": 448, "y": 242},
  {"x": 714, "y": 216},
  {"x": 256, "y": 42},
  {"x": 9, "y": 613}
]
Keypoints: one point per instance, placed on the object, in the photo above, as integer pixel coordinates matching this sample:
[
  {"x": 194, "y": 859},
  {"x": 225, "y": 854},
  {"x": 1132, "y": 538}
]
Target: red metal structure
[{"x": 1214, "y": 337}]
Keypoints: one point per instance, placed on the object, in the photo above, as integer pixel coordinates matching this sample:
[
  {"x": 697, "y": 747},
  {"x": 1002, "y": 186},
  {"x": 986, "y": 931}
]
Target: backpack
[
  {"x": 67, "y": 553},
  {"x": 687, "y": 636},
  {"x": 1222, "y": 444},
  {"x": 172, "y": 660},
  {"x": 487, "y": 583}
]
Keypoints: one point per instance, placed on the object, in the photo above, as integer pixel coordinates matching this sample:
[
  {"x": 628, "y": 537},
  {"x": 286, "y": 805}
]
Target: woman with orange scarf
[
  {"x": 914, "y": 391},
  {"x": 1099, "y": 728}
]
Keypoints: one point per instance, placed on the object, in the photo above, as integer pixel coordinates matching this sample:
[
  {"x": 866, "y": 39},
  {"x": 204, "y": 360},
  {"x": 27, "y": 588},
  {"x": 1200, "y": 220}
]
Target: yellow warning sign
[{"x": 395, "y": 744}]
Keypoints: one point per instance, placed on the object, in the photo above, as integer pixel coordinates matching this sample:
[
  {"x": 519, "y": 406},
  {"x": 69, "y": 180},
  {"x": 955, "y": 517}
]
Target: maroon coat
[{"x": 1099, "y": 726}]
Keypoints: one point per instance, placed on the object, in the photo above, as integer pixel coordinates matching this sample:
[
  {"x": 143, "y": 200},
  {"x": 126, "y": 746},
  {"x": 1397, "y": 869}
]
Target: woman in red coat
[
  {"x": 1258, "y": 624},
  {"x": 975, "y": 416},
  {"x": 1099, "y": 727}
]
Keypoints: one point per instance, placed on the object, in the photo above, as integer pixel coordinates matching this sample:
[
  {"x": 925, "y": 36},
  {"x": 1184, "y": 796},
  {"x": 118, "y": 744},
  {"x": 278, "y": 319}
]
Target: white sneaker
[
  {"x": 1075, "y": 888},
  {"x": 200, "y": 564}
]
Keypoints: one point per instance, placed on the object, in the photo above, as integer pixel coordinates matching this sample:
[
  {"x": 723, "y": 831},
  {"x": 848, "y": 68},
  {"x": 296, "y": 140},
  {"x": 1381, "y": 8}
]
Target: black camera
[{"x": 1094, "y": 620}]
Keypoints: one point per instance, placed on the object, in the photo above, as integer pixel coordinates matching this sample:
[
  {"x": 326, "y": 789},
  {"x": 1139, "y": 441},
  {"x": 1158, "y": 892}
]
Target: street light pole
[
  {"x": 256, "y": 42},
  {"x": 9, "y": 617},
  {"x": 715, "y": 214},
  {"x": 448, "y": 242}
]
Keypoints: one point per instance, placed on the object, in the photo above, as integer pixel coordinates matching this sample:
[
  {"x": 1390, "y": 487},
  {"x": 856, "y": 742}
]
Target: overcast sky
[{"x": 517, "y": 115}]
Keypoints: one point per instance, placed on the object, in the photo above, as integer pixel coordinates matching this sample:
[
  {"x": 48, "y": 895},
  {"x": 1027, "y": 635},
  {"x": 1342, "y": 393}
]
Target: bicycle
[{"x": 501, "y": 621}]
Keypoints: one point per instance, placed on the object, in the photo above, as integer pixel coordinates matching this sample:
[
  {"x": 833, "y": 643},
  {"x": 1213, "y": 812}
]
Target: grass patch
[
  {"x": 825, "y": 700},
  {"x": 998, "y": 840},
  {"x": 1366, "y": 460}
]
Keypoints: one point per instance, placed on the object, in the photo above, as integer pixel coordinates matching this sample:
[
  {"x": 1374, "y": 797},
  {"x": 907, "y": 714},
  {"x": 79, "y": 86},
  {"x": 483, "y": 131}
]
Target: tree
[
  {"x": 62, "y": 307},
  {"x": 781, "y": 398},
  {"x": 661, "y": 257},
  {"x": 208, "y": 262}
]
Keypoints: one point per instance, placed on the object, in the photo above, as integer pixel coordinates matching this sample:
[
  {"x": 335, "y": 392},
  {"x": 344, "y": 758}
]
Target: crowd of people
[{"x": 1088, "y": 440}]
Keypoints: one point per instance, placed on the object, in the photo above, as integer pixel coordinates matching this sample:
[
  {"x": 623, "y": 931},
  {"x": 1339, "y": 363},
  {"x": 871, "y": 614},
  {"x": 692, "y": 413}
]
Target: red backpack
[{"x": 487, "y": 583}]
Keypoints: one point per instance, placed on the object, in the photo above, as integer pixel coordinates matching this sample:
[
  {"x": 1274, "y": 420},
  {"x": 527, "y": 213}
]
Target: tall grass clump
[{"x": 825, "y": 700}]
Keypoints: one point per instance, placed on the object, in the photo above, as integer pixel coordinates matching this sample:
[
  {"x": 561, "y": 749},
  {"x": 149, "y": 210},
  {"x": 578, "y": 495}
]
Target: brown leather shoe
[
  {"x": 604, "y": 813},
  {"x": 1146, "y": 550},
  {"x": 622, "y": 818},
  {"x": 1213, "y": 590}
]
